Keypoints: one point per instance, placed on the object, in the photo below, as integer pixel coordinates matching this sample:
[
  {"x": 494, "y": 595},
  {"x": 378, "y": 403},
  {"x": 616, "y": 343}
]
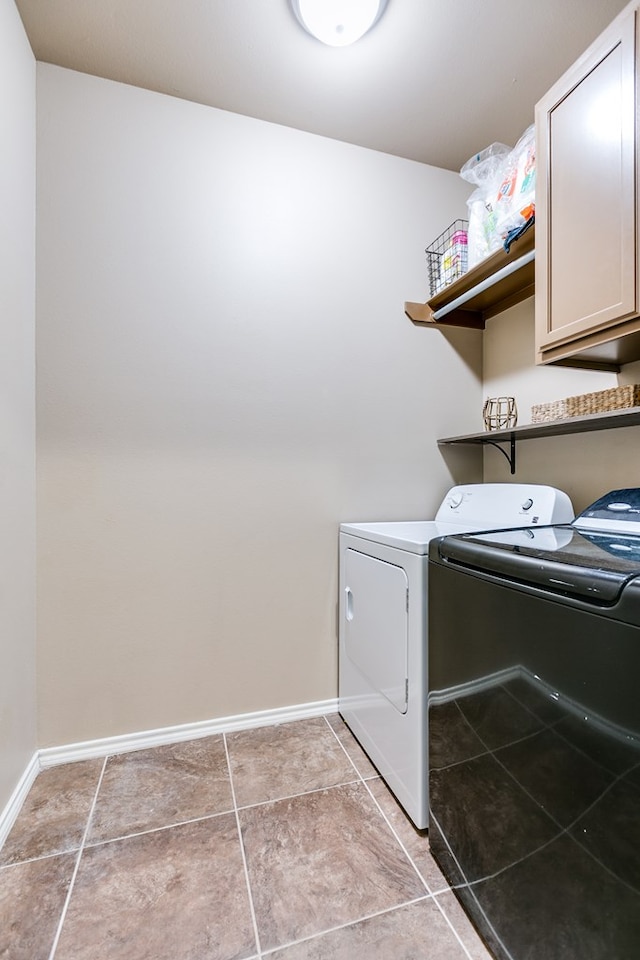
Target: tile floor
[{"x": 277, "y": 842}]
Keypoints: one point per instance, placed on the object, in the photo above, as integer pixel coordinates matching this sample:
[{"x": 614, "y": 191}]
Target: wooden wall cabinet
[{"x": 586, "y": 279}]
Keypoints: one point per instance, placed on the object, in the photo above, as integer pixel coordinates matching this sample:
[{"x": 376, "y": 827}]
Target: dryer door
[{"x": 376, "y": 629}]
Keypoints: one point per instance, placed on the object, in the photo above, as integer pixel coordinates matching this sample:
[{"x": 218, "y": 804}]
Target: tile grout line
[
  {"x": 303, "y": 793},
  {"x": 417, "y": 870},
  {"x": 345, "y": 751},
  {"x": 43, "y": 856},
  {"x": 403, "y": 848},
  {"x": 165, "y": 826},
  {"x": 469, "y": 887},
  {"x": 183, "y": 823},
  {"x": 359, "y": 779},
  {"x": 449, "y": 922},
  {"x": 384, "y": 816},
  {"x": 260, "y": 954},
  {"x": 63, "y": 915},
  {"x": 563, "y": 830},
  {"x": 242, "y": 852},
  {"x": 342, "y": 926},
  {"x": 492, "y": 752}
]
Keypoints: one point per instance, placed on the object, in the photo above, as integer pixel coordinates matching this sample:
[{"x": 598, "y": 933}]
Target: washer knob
[
  {"x": 455, "y": 500},
  {"x": 527, "y": 504}
]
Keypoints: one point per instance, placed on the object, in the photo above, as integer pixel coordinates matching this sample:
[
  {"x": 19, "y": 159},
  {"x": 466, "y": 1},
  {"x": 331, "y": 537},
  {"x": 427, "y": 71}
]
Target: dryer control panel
[{"x": 505, "y": 505}]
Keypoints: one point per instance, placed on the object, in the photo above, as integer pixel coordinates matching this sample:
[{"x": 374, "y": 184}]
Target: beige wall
[
  {"x": 585, "y": 465},
  {"x": 17, "y": 432},
  {"x": 225, "y": 373}
]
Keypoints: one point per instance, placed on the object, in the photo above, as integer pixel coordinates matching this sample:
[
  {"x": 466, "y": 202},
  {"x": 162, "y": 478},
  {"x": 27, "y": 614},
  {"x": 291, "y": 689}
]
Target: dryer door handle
[{"x": 348, "y": 607}]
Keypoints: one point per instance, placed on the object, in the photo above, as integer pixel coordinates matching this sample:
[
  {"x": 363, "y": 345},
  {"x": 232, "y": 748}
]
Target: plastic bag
[
  {"x": 505, "y": 195},
  {"x": 485, "y": 170},
  {"x": 515, "y": 198},
  {"x": 485, "y": 166},
  {"x": 482, "y": 234}
]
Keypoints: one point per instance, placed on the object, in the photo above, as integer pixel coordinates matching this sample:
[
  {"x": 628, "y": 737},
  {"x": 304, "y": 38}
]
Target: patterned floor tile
[
  {"x": 54, "y": 816},
  {"x": 286, "y": 759},
  {"x": 415, "y": 842},
  {"x": 356, "y": 754},
  {"x": 174, "y": 893},
  {"x": 463, "y": 926},
  {"x": 415, "y": 932},
  {"x": 161, "y": 786},
  {"x": 32, "y": 896},
  {"x": 322, "y": 860}
]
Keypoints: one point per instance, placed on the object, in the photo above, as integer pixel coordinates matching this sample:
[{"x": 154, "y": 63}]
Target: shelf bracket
[{"x": 511, "y": 456}]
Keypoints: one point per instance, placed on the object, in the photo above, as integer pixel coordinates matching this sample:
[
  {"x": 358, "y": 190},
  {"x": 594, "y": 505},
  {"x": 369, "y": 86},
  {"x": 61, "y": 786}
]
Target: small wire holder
[
  {"x": 499, "y": 413},
  {"x": 447, "y": 256}
]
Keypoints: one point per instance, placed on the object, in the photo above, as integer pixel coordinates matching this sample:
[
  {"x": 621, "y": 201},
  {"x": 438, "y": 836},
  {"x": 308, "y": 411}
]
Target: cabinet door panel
[{"x": 586, "y": 221}]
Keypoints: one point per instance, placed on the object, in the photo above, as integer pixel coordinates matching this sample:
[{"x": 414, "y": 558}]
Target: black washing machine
[{"x": 534, "y": 732}]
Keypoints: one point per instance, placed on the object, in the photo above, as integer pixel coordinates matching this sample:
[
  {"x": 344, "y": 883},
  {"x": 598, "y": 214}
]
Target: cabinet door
[{"x": 586, "y": 197}]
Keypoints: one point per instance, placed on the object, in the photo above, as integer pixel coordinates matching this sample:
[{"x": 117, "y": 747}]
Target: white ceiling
[{"x": 434, "y": 81}]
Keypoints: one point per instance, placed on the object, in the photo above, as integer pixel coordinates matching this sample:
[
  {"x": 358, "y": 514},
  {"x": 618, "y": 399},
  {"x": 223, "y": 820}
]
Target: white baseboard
[
  {"x": 17, "y": 798},
  {"x": 91, "y": 749}
]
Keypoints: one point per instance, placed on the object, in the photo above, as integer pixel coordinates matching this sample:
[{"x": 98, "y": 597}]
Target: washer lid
[
  {"x": 590, "y": 565},
  {"x": 617, "y": 512}
]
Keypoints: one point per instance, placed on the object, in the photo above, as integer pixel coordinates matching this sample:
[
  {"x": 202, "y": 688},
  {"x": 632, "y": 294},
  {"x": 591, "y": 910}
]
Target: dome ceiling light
[{"x": 338, "y": 22}]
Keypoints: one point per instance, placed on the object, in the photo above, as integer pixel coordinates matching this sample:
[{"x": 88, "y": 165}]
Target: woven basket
[
  {"x": 546, "y": 412},
  {"x": 603, "y": 401}
]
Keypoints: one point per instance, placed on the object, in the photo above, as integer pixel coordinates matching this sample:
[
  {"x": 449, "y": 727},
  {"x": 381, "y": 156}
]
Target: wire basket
[{"x": 447, "y": 257}]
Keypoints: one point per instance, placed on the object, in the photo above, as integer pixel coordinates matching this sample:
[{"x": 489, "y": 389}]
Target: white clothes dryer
[{"x": 383, "y": 654}]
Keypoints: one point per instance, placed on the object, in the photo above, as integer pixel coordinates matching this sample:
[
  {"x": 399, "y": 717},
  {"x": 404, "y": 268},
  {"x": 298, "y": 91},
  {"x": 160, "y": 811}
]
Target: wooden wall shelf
[
  {"x": 491, "y": 286},
  {"x": 629, "y": 417}
]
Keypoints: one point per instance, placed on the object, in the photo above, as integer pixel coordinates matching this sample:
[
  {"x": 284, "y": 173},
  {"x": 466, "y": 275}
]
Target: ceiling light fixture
[{"x": 338, "y": 22}]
